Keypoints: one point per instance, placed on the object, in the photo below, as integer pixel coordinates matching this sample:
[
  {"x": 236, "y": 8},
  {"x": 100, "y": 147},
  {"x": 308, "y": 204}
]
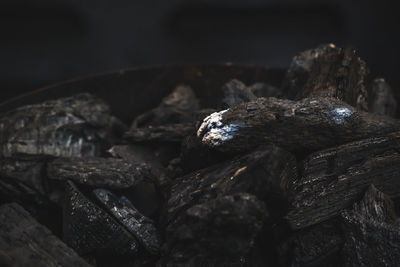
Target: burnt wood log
[
  {"x": 332, "y": 179},
  {"x": 76, "y": 126},
  {"x": 24, "y": 242},
  {"x": 328, "y": 71},
  {"x": 382, "y": 100},
  {"x": 303, "y": 126},
  {"x": 372, "y": 231},
  {"x": 196, "y": 215},
  {"x": 99, "y": 172}
]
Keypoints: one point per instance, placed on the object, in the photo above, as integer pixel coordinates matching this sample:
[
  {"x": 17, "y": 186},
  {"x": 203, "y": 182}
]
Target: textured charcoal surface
[
  {"x": 88, "y": 229},
  {"x": 333, "y": 179},
  {"x": 372, "y": 231},
  {"x": 137, "y": 224},
  {"x": 78, "y": 126},
  {"x": 300, "y": 126},
  {"x": 235, "y": 191},
  {"x": 328, "y": 71},
  {"x": 24, "y": 242},
  {"x": 382, "y": 100},
  {"x": 99, "y": 172}
]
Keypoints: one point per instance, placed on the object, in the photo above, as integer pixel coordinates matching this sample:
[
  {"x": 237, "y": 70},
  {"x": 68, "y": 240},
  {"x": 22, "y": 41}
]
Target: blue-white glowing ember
[{"x": 339, "y": 115}]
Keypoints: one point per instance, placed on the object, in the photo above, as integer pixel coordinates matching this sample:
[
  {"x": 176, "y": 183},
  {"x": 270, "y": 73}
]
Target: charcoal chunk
[
  {"x": 218, "y": 232},
  {"x": 334, "y": 178},
  {"x": 23, "y": 177},
  {"x": 372, "y": 231},
  {"x": 236, "y": 92},
  {"x": 77, "y": 126},
  {"x": 303, "y": 126},
  {"x": 328, "y": 71},
  {"x": 24, "y": 242},
  {"x": 137, "y": 224},
  {"x": 210, "y": 205},
  {"x": 318, "y": 245},
  {"x": 382, "y": 100},
  {"x": 170, "y": 121},
  {"x": 99, "y": 172},
  {"x": 90, "y": 230}
]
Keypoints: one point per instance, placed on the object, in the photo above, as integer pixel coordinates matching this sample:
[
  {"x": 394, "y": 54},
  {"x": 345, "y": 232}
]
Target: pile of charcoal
[{"x": 306, "y": 174}]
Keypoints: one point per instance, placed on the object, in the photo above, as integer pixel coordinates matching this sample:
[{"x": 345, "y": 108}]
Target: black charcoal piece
[
  {"x": 318, "y": 245},
  {"x": 372, "y": 231},
  {"x": 303, "y": 126},
  {"x": 24, "y": 242},
  {"x": 73, "y": 126},
  {"x": 218, "y": 232},
  {"x": 88, "y": 229},
  {"x": 382, "y": 100},
  {"x": 328, "y": 71},
  {"x": 99, "y": 172},
  {"x": 22, "y": 177},
  {"x": 258, "y": 178},
  {"x": 126, "y": 214},
  {"x": 334, "y": 178},
  {"x": 172, "y": 120},
  {"x": 236, "y": 92}
]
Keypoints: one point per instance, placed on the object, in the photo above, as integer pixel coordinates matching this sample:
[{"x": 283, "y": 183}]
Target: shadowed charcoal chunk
[
  {"x": 211, "y": 205},
  {"x": 382, "y": 100},
  {"x": 328, "y": 71},
  {"x": 372, "y": 231},
  {"x": 77, "y": 126},
  {"x": 215, "y": 232},
  {"x": 334, "y": 178},
  {"x": 136, "y": 223},
  {"x": 22, "y": 177},
  {"x": 303, "y": 126},
  {"x": 170, "y": 121},
  {"x": 88, "y": 229},
  {"x": 99, "y": 172},
  {"x": 318, "y": 245},
  {"x": 24, "y": 242},
  {"x": 236, "y": 92}
]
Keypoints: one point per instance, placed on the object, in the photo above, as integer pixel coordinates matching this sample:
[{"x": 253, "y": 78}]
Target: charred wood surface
[
  {"x": 76, "y": 126},
  {"x": 24, "y": 242},
  {"x": 328, "y": 71},
  {"x": 332, "y": 179},
  {"x": 306, "y": 125},
  {"x": 372, "y": 231}
]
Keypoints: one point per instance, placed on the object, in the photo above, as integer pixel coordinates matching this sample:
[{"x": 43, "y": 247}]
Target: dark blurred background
[{"x": 44, "y": 42}]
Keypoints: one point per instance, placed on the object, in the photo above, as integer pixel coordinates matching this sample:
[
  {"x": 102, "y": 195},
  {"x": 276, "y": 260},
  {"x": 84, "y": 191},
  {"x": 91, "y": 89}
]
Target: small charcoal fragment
[
  {"x": 303, "y": 126},
  {"x": 334, "y": 178},
  {"x": 372, "y": 231},
  {"x": 382, "y": 100},
  {"x": 88, "y": 229},
  {"x": 76, "y": 126},
  {"x": 236, "y": 92},
  {"x": 218, "y": 232},
  {"x": 99, "y": 172},
  {"x": 126, "y": 214},
  {"x": 328, "y": 71},
  {"x": 24, "y": 242}
]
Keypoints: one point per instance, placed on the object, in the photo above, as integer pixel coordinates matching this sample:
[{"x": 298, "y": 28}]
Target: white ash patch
[
  {"x": 214, "y": 132},
  {"x": 339, "y": 115}
]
